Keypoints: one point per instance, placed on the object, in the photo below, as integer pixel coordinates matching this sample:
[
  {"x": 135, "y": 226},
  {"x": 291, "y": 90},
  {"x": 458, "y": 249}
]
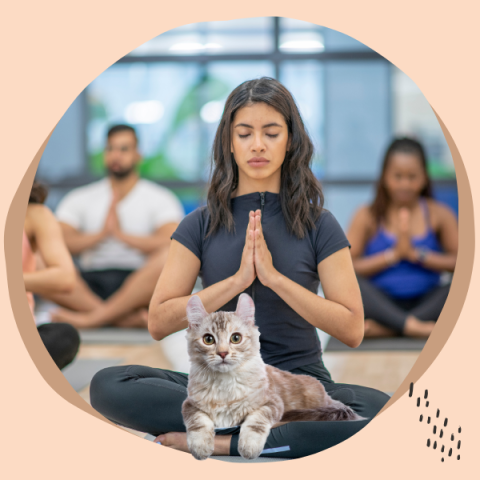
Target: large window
[{"x": 173, "y": 89}]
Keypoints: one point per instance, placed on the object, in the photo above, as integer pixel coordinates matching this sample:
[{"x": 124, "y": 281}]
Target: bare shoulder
[
  {"x": 37, "y": 213},
  {"x": 441, "y": 214},
  {"x": 363, "y": 218},
  {"x": 364, "y": 212}
]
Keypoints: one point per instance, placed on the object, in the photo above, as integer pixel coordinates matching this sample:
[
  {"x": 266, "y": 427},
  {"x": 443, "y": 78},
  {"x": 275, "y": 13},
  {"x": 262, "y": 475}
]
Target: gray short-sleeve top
[{"x": 287, "y": 340}]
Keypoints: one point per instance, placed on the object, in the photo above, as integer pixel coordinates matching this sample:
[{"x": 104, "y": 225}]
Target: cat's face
[{"x": 222, "y": 341}]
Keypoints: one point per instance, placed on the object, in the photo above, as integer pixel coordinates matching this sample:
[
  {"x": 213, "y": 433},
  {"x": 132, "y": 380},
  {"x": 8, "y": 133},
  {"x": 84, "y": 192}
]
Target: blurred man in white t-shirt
[{"x": 120, "y": 228}]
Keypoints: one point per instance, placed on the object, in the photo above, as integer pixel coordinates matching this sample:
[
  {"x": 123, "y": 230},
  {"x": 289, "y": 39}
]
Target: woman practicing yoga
[
  {"x": 43, "y": 244},
  {"x": 400, "y": 245},
  {"x": 263, "y": 232}
]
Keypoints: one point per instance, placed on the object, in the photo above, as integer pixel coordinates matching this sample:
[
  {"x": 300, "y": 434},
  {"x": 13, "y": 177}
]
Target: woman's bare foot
[
  {"x": 178, "y": 441},
  {"x": 373, "y": 329},
  {"x": 417, "y": 328},
  {"x": 175, "y": 440}
]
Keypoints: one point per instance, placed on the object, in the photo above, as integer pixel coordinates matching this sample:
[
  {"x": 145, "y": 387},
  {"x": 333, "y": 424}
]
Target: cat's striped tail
[{"x": 321, "y": 414}]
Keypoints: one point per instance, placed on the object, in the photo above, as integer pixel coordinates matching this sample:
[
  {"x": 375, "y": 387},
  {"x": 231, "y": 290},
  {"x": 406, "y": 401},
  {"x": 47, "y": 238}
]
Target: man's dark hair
[{"x": 122, "y": 128}]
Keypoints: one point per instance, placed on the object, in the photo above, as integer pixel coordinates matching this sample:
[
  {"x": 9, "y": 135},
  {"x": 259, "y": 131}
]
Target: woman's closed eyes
[{"x": 268, "y": 135}]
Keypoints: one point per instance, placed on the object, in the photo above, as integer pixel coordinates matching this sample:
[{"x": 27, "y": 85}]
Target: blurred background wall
[{"x": 172, "y": 90}]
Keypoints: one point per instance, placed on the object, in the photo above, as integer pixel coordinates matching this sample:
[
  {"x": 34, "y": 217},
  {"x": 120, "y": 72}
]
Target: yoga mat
[
  {"x": 227, "y": 458},
  {"x": 242, "y": 460},
  {"x": 81, "y": 371},
  {"x": 115, "y": 335},
  {"x": 378, "y": 344}
]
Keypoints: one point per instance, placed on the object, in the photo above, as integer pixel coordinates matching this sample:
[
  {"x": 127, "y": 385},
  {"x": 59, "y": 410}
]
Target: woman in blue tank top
[{"x": 401, "y": 244}]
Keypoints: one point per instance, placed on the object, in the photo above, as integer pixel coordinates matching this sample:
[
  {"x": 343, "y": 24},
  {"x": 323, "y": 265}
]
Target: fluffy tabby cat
[{"x": 229, "y": 384}]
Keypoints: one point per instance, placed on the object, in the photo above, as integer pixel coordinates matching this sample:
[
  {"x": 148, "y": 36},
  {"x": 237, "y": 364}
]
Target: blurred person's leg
[
  {"x": 61, "y": 341},
  {"x": 81, "y": 299},
  {"x": 385, "y": 317},
  {"x": 127, "y": 307},
  {"x": 431, "y": 304},
  {"x": 91, "y": 289}
]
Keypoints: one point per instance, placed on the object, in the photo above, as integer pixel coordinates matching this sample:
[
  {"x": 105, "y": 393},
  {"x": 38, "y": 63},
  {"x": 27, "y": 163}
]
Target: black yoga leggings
[
  {"x": 150, "y": 399},
  {"x": 61, "y": 341},
  {"x": 392, "y": 312}
]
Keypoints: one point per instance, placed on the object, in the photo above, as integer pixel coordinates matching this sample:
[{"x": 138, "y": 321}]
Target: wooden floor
[{"x": 384, "y": 371}]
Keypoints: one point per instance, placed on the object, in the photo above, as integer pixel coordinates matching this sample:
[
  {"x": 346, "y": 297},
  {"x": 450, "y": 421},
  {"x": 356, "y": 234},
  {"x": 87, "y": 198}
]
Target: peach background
[{"x": 52, "y": 51}]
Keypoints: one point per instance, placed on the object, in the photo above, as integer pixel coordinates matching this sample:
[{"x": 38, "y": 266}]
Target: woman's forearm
[
  {"x": 170, "y": 316},
  {"x": 331, "y": 317},
  {"x": 78, "y": 242},
  {"x": 439, "y": 262},
  {"x": 146, "y": 244},
  {"x": 372, "y": 264},
  {"x": 52, "y": 280}
]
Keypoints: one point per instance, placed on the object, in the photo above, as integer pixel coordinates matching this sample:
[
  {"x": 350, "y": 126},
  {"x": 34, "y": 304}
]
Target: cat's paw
[
  {"x": 201, "y": 444},
  {"x": 251, "y": 444}
]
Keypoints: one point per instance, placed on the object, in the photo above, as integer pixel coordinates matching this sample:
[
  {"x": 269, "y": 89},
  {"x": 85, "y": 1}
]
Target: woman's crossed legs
[
  {"x": 150, "y": 399},
  {"x": 385, "y": 316}
]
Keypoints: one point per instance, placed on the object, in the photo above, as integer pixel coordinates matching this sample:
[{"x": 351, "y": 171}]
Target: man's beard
[{"x": 120, "y": 174}]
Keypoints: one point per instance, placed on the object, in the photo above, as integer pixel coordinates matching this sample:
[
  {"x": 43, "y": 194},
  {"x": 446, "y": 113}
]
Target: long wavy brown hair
[
  {"x": 382, "y": 200},
  {"x": 38, "y": 193},
  {"x": 301, "y": 195}
]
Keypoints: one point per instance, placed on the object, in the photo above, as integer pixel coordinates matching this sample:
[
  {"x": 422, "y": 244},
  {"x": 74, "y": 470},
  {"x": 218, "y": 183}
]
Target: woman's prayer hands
[
  {"x": 404, "y": 248},
  {"x": 262, "y": 257},
  {"x": 247, "y": 274},
  {"x": 256, "y": 257}
]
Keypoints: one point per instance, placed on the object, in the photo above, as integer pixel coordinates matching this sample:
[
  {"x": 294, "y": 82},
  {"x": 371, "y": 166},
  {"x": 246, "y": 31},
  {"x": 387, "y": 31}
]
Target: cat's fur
[{"x": 240, "y": 389}]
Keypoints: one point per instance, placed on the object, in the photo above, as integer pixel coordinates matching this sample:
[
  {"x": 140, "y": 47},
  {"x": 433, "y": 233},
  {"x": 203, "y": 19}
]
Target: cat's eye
[
  {"x": 208, "y": 339},
  {"x": 236, "y": 338}
]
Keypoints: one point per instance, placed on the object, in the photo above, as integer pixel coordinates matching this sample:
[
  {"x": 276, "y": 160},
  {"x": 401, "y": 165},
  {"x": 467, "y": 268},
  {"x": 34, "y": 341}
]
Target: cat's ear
[
  {"x": 246, "y": 308},
  {"x": 195, "y": 311}
]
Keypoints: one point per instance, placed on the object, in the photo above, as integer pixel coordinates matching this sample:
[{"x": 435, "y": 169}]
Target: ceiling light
[{"x": 150, "y": 111}]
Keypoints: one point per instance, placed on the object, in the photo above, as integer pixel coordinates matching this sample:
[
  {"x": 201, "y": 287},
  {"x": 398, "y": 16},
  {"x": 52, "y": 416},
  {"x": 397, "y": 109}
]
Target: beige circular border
[{"x": 333, "y": 16}]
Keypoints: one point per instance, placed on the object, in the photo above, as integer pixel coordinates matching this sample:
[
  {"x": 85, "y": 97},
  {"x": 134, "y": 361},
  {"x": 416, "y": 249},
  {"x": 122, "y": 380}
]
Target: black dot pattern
[{"x": 448, "y": 432}]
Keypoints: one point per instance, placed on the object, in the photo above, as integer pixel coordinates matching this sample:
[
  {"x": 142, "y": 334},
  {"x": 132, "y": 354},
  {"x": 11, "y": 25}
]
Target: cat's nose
[{"x": 223, "y": 354}]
